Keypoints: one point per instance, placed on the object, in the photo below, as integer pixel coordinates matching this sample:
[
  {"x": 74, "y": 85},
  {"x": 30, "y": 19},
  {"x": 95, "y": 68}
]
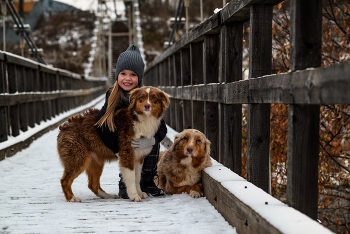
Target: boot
[
  {"x": 149, "y": 171},
  {"x": 148, "y": 186}
]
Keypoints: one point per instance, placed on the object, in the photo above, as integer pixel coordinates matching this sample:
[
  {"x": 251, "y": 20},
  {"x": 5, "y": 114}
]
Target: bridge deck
[{"x": 31, "y": 201}]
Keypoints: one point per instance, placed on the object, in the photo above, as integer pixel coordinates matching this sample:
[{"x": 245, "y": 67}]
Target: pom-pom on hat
[{"x": 131, "y": 60}]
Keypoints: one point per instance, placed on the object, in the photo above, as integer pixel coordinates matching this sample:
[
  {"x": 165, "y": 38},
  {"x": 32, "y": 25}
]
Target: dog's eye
[
  {"x": 154, "y": 99},
  {"x": 141, "y": 99},
  {"x": 185, "y": 139},
  {"x": 199, "y": 141}
]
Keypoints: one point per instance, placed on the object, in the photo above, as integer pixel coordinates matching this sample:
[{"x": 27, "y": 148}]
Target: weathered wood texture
[
  {"x": 244, "y": 218},
  {"x": 230, "y": 69},
  {"x": 31, "y": 93},
  {"x": 260, "y": 56},
  {"x": 312, "y": 86},
  {"x": 210, "y": 92},
  {"x": 303, "y": 127}
]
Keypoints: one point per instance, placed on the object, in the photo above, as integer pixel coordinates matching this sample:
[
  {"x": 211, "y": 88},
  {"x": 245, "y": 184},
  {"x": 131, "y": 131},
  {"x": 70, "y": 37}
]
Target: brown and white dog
[
  {"x": 80, "y": 148},
  {"x": 180, "y": 167}
]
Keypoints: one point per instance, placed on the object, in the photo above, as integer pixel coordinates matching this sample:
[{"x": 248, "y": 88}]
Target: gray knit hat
[{"x": 131, "y": 60}]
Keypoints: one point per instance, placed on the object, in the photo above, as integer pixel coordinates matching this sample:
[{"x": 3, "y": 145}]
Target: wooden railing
[
  {"x": 31, "y": 92},
  {"x": 203, "y": 74}
]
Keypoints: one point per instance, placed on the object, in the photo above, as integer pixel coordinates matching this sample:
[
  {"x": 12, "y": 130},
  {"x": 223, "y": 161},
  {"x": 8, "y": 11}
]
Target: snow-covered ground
[{"x": 31, "y": 200}]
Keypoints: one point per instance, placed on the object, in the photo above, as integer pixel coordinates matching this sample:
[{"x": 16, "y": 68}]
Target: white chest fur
[
  {"x": 147, "y": 126},
  {"x": 192, "y": 174}
]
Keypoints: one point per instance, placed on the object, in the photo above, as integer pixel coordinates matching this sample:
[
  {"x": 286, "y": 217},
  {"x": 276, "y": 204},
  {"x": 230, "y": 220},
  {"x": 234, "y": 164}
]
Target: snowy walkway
[{"x": 31, "y": 201}]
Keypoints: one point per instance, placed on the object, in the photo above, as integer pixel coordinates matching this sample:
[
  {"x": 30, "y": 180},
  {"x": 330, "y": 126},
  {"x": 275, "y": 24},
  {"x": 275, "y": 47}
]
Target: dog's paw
[
  {"x": 195, "y": 194},
  {"x": 75, "y": 199},
  {"x": 143, "y": 195},
  {"x": 103, "y": 194},
  {"x": 134, "y": 197}
]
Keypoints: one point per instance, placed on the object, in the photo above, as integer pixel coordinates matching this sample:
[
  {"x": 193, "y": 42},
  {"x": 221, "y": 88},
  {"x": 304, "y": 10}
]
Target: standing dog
[
  {"x": 81, "y": 149},
  {"x": 180, "y": 167}
]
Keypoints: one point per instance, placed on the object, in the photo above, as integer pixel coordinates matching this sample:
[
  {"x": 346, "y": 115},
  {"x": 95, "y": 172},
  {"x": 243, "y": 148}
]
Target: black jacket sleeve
[{"x": 161, "y": 133}]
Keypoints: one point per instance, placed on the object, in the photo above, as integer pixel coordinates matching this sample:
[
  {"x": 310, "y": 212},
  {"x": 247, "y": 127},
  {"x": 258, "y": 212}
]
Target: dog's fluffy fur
[
  {"x": 80, "y": 148},
  {"x": 180, "y": 167}
]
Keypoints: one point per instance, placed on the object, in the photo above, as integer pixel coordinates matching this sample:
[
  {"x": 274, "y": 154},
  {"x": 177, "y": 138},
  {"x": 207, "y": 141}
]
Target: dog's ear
[
  {"x": 165, "y": 99},
  {"x": 177, "y": 136},
  {"x": 208, "y": 162},
  {"x": 176, "y": 141}
]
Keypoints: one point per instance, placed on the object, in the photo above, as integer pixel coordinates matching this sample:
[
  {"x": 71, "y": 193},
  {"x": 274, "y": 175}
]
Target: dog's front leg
[
  {"x": 138, "y": 169},
  {"x": 129, "y": 180}
]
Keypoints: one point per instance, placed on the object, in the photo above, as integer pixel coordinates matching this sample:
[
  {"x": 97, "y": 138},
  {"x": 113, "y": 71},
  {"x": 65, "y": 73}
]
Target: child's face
[{"x": 128, "y": 80}]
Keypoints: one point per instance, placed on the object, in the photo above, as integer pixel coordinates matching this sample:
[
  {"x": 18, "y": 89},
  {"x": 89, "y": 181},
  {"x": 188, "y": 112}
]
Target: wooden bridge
[{"x": 203, "y": 74}]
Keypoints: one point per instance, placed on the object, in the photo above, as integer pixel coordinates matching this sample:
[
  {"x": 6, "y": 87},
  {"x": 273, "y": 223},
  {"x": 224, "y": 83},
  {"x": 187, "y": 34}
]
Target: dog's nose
[
  {"x": 147, "y": 106},
  {"x": 189, "y": 149}
]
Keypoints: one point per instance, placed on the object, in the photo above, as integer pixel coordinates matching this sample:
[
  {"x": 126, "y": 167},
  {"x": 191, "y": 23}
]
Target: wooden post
[
  {"x": 186, "y": 80},
  {"x": 211, "y": 75},
  {"x": 198, "y": 107},
  {"x": 3, "y": 109},
  {"x": 22, "y": 87},
  {"x": 171, "y": 77},
  {"x": 231, "y": 115},
  {"x": 260, "y": 55},
  {"x": 178, "y": 102},
  {"x": 164, "y": 81},
  {"x": 303, "y": 120}
]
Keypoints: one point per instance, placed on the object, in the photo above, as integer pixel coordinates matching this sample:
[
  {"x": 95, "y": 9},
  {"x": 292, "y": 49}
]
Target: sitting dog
[
  {"x": 81, "y": 149},
  {"x": 180, "y": 167}
]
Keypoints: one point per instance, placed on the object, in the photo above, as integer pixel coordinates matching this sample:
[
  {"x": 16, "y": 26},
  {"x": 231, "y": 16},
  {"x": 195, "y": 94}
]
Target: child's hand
[{"x": 143, "y": 142}]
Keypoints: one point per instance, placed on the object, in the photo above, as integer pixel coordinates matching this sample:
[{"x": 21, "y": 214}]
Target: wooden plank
[
  {"x": 14, "y": 120},
  {"x": 211, "y": 58},
  {"x": 238, "y": 10},
  {"x": 260, "y": 44},
  {"x": 28, "y": 76},
  {"x": 196, "y": 63},
  {"x": 17, "y": 98},
  {"x": 212, "y": 128},
  {"x": 171, "y": 82},
  {"x": 4, "y": 124},
  {"x": 198, "y": 107},
  {"x": 21, "y": 81},
  {"x": 23, "y": 117},
  {"x": 3, "y": 77},
  {"x": 12, "y": 78},
  {"x": 211, "y": 75},
  {"x": 230, "y": 151},
  {"x": 31, "y": 114},
  {"x": 186, "y": 80},
  {"x": 178, "y": 102},
  {"x": 163, "y": 80},
  {"x": 302, "y": 158},
  {"x": 25, "y": 142},
  {"x": 20, "y": 61},
  {"x": 303, "y": 121},
  {"x": 235, "y": 212},
  {"x": 325, "y": 85}
]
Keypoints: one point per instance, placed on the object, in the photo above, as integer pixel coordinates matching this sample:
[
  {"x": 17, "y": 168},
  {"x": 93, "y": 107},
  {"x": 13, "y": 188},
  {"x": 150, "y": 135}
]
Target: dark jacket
[{"x": 110, "y": 139}]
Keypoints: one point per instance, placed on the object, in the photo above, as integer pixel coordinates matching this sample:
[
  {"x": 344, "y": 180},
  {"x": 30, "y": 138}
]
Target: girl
[{"x": 129, "y": 73}]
